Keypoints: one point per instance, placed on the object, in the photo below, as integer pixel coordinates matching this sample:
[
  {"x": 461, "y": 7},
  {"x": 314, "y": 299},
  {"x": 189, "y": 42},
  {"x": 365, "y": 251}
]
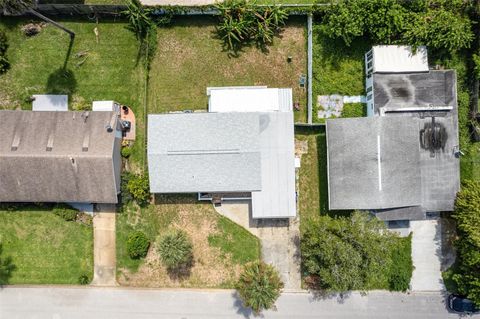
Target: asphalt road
[{"x": 119, "y": 303}]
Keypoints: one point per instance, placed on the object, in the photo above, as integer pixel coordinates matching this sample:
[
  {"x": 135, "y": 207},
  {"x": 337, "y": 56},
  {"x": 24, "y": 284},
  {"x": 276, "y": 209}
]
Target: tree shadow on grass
[
  {"x": 6, "y": 268},
  {"x": 61, "y": 81}
]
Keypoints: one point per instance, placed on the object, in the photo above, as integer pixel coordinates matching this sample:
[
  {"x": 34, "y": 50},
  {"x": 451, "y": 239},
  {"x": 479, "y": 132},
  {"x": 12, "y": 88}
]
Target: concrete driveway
[
  {"x": 280, "y": 239},
  {"x": 427, "y": 255},
  {"x": 104, "y": 246}
]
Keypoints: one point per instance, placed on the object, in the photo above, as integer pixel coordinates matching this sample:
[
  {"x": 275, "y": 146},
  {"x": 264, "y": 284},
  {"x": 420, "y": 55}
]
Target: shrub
[
  {"x": 259, "y": 286},
  {"x": 243, "y": 21},
  {"x": 175, "y": 249},
  {"x": 137, "y": 245},
  {"x": 139, "y": 189},
  {"x": 126, "y": 151},
  {"x": 402, "y": 266},
  {"x": 4, "y": 63},
  {"x": 67, "y": 213},
  {"x": 83, "y": 279}
]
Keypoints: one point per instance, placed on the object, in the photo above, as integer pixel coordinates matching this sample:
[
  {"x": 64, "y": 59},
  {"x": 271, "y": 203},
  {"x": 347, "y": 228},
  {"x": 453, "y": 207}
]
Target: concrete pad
[
  {"x": 104, "y": 246},
  {"x": 427, "y": 255},
  {"x": 279, "y": 238}
]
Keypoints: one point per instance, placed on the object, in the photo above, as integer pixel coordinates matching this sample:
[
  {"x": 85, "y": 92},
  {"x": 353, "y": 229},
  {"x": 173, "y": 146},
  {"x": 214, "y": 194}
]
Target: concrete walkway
[
  {"x": 104, "y": 246},
  {"x": 280, "y": 240},
  {"x": 427, "y": 255}
]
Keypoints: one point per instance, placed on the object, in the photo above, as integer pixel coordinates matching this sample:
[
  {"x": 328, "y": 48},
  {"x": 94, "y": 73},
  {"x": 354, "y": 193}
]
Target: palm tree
[{"x": 27, "y": 6}]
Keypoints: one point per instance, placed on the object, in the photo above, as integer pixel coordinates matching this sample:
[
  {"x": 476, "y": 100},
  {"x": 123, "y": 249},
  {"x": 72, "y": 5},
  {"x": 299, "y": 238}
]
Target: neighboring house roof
[
  {"x": 204, "y": 152},
  {"x": 59, "y": 157},
  {"x": 399, "y": 58},
  {"x": 373, "y": 163},
  {"x": 49, "y": 102},
  {"x": 226, "y": 152},
  {"x": 397, "y": 92},
  {"x": 249, "y": 99}
]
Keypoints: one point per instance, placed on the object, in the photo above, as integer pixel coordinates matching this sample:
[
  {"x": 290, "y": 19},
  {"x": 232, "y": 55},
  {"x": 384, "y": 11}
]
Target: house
[
  {"x": 59, "y": 157},
  {"x": 402, "y": 161},
  {"x": 232, "y": 153}
]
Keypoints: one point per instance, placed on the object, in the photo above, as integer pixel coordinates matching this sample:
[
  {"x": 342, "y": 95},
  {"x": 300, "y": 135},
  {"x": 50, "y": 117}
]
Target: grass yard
[
  {"x": 337, "y": 69},
  {"x": 44, "y": 248},
  {"x": 313, "y": 183},
  {"x": 108, "y": 69},
  {"x": 221, "y": 247},
  {"x": 190, "y": 58}
]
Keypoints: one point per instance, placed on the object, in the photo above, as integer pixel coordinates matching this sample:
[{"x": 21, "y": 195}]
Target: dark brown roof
[{"x": 57, "y": 157}]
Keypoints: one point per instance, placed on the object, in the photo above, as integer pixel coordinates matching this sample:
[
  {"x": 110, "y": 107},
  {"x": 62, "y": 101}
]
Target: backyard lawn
[
  {"x": 44, "y": 248},
  {"x": 220, "y": 247},
  {"x": 190, "y": 58}
]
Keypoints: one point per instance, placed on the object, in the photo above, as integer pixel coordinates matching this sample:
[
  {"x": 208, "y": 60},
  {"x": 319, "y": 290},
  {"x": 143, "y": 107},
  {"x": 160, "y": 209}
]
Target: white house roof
[
  {"x": 399, "y": 59},
  {"x": 249, "y": 99},
  {"x": 277, "y": 198},
  {"x": 50, "y": 102}
]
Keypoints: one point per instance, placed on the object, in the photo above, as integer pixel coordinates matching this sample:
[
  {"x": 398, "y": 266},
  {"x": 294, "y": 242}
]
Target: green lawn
[
  {"x": 313, "y": 183},
  {"x": 337, "y": 69},
  {"x": 235, "y": 241},
  {"x": 44, "y": 248},
  {"x": 190, "y": 58}
]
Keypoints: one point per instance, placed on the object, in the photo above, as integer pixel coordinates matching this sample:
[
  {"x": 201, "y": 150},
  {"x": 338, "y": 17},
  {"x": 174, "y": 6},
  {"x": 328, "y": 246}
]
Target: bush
[
  {"x": 67, "y": 213},
  {"x": 4, "y": 63},
  {"x": 259, "y": 286},
  {"x": 242, "y": 22},
  {"x": 137, "y": 245},
  {"x": 138, "y": 187},
  {"x": 402, "y": 266},
  {"x": 126, "y": 151},
  {"x": 83, "y": 279},
  {"x": 175, "y": 249}
]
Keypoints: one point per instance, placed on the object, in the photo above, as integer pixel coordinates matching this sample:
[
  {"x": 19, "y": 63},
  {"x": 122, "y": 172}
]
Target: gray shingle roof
[
  {"x": 373, "y": 163},
  {"x": 44, "y": 157},
  {"x": 204, "y": 152}
]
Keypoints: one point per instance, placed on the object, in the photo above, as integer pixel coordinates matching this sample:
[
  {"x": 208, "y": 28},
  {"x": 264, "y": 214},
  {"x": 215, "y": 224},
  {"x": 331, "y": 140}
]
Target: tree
[
  {"x": 467, "y": 216},
  {"x": 347, "y": 253},
  {"x": 27, "y": 6},
  {"x": 176, "y": 250},
  {"x": 259, "y": 286},
  {"x": 440, "y": 24}
]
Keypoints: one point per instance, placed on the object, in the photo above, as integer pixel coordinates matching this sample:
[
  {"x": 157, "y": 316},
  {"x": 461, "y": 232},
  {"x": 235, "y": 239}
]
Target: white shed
[{"x": 396, "y": 59}]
